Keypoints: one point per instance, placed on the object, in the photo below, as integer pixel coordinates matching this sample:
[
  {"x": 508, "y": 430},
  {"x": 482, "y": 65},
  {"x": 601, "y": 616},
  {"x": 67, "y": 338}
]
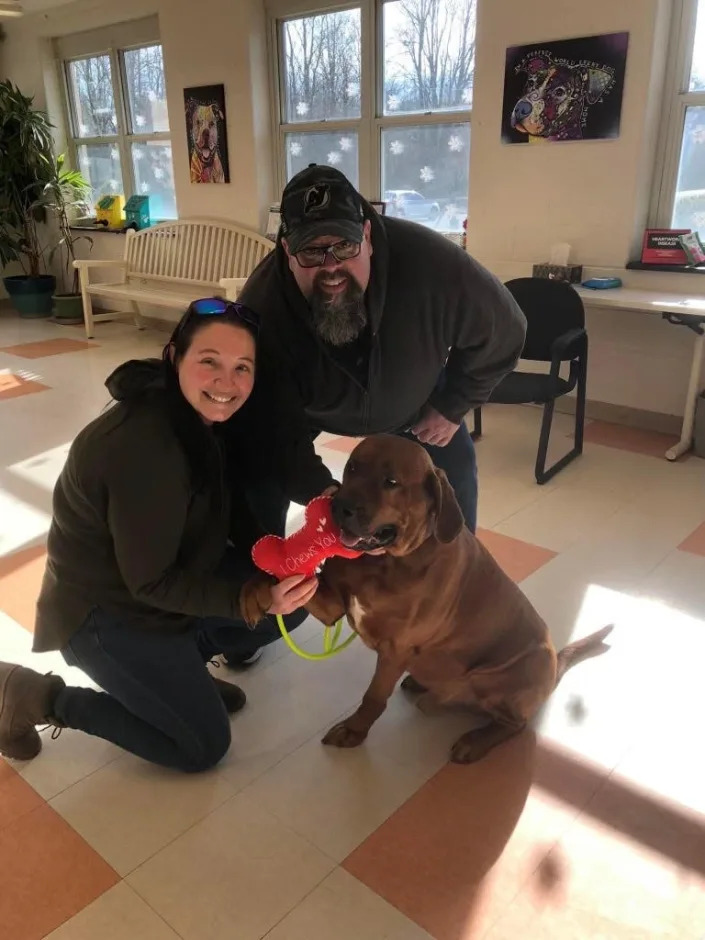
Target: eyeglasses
[
  {"x": 315, "y": 257},
  {"x": 215, "y": 306}
]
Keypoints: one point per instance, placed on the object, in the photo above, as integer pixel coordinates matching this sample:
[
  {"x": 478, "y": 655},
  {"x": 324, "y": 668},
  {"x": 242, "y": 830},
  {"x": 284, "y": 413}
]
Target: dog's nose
[
  {"x": 346, "y": 512},
  {"x": 342, "y": 508},
  {"x": 522, "y": 109}
]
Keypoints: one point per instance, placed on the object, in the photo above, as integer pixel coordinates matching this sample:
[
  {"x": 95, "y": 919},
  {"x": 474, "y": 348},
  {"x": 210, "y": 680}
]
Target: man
[{"x": 376, "y": 324}]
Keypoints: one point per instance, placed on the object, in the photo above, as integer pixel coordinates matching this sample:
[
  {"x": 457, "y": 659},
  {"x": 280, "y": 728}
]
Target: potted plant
[
  {"x": 67, "y": 192},
  {"x": 27, "y": 164}
]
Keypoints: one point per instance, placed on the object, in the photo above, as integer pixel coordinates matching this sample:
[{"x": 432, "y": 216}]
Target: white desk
[{"x": 679, "y": 309}]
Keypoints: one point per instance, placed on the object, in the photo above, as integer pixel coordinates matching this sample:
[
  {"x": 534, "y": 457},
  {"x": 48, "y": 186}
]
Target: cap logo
[{"x": 316, "y": 198}]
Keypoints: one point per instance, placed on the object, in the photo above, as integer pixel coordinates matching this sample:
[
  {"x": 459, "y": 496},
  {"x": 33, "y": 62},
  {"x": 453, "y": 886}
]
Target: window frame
[
  {"x": 676, "y": 100},
  {"x": 125, "y": 136},
  {"x": 372, "y": 121}
]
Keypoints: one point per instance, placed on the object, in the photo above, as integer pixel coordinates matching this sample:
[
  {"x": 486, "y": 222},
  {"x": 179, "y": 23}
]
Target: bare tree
[
  {"x": 438, "y": 42},
  {"x": 322, "y": 55}
]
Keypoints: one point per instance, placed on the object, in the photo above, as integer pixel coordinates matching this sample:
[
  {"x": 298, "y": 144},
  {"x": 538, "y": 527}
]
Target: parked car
[{"x": 408, "y": 204}]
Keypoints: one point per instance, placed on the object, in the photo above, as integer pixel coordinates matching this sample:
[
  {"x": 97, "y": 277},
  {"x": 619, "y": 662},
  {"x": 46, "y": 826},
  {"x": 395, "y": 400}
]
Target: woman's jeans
[{"x": 159, "y": 700}]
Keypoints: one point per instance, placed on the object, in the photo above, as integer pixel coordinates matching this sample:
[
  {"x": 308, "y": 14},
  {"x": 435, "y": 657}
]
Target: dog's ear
[
  {"x": 448, "y": 517},
  {"x": 599, "y": 82}
]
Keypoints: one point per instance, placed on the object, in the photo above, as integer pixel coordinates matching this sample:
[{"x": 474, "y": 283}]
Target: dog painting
[
  {"x": 207, "y": 134},
  {"x": 564, "y": 91}
]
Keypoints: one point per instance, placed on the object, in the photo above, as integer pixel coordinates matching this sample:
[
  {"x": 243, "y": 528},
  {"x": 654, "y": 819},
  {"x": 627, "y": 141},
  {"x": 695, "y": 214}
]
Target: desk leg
[{"x": 686, "y": 441}]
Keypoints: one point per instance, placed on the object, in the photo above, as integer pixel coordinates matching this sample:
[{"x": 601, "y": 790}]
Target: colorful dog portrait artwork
[
  {"x": 207, "y": 134},
  {"x": 566, "y": 90}
]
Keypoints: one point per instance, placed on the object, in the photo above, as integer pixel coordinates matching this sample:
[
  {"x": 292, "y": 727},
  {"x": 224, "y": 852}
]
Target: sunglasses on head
[
  {"x": 315, "y": 257},
  {"x": 215, "y": 306}
]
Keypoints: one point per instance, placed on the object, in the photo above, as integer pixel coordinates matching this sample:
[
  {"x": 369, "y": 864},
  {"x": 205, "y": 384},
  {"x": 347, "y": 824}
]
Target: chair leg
[
  {"x": 545, "y": 436},
  {"x": 476, "y": 432},
  {"x": 580, "y": 405},
  {"x": 542, "y": 474}
]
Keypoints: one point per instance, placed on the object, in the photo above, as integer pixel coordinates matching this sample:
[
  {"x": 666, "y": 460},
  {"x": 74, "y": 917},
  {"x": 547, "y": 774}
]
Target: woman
[{"x": 147, "y": 555}]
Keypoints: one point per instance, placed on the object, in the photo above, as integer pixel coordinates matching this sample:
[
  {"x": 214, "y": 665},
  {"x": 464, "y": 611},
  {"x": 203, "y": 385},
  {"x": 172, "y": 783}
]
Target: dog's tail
[{"x": 575, "y": 653}]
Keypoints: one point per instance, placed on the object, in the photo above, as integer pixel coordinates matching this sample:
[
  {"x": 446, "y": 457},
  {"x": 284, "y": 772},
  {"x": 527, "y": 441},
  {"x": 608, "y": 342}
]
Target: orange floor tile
[
  {"x": 516, "y": 558},
  {"x": 20, "y": 580},
  {"x": 430, "y": 857},
  {"x": 49, "y": 873},
  {"x": 47, "y": 347},
  {"x": 13, "y": 386},
  {"x": 345, "y": 445},
  {"x": 17, "y": 798},
  {"x": 635, "y": 440},
  {"x": 695, "y": 543}
]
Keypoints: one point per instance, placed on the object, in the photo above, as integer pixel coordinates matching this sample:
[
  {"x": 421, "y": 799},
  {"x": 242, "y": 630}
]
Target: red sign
[{"x": 661, "y": 246}]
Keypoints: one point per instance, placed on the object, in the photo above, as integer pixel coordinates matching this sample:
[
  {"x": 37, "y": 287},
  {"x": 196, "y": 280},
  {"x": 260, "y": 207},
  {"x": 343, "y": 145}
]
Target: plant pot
[
  {"x": 68, "y": 308},
  {"x": 31, "y": 296}
]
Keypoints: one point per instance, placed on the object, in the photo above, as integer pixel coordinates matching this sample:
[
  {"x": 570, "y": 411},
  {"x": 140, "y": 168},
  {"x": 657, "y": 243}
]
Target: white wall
[{"x": 592, "y": 194}]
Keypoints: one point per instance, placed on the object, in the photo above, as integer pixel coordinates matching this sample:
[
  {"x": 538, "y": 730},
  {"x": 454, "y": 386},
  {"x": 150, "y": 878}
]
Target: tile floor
[{"x": 591, "y": 825}]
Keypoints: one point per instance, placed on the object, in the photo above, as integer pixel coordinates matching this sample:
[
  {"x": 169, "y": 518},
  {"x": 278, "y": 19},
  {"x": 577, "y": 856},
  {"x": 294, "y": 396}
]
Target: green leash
[{"x": 331, "y": 635}]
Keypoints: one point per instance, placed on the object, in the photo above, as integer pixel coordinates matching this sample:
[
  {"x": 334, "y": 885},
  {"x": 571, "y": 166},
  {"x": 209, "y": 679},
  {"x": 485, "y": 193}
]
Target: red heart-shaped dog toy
[{"x": 305, "y": 550}]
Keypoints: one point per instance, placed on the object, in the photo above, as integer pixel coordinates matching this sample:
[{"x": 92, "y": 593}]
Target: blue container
[{"x": 31, "y": 296}]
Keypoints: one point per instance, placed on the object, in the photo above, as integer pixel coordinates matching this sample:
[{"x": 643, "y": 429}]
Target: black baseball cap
[{"x": 320, "y": 200}]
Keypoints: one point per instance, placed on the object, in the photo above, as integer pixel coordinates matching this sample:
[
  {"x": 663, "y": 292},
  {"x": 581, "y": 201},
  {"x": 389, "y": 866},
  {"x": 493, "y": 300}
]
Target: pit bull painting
[
  {"x": 564, "y": 91},
  {"x": 206, "y": 130}
]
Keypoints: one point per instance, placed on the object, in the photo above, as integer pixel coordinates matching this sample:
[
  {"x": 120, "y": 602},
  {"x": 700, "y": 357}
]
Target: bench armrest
[{"x": 232, "y": 286}]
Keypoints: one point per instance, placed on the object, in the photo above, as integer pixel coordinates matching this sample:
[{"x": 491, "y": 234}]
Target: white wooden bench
[{"x": 171, "y": 264}]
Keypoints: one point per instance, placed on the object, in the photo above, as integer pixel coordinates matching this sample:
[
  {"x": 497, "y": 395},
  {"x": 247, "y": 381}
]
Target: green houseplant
[
  {"x": 66, "y": 192},
  {"x": 26, "y": 166}
]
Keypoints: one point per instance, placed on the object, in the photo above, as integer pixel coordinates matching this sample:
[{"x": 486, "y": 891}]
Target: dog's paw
[
  {"x": 342, "y": 735},
  {"x": 470, "y": 747}
]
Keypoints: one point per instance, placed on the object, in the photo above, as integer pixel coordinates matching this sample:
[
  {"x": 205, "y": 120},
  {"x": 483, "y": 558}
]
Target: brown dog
[{"x": 431, "y": 601}]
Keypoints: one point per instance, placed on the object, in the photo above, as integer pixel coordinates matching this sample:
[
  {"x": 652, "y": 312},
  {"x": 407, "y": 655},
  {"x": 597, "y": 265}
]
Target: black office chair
[{"x": 555, "y": 333}]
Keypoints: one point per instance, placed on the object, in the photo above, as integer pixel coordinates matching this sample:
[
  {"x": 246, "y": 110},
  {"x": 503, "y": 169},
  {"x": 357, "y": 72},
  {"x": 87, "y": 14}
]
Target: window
[
  {"x": 680, "y": 200},
  {"x": 118, "y": 122},
  {"x": 399, "y": 131}
]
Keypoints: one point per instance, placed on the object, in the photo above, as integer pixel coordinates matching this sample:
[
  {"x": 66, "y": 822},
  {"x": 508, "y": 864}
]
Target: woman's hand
[{"x": 291, "y": 593}]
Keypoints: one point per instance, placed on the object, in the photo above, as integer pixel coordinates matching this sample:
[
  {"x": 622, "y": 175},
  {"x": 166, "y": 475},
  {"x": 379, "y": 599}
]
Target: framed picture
[
  {"x": 566, "y": 90},
  {"x": 207, "y": 134},
  {"x": 381, "y": 207}
]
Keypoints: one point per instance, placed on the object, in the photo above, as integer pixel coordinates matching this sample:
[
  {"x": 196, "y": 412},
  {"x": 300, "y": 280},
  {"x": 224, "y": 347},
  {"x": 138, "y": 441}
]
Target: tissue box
[{"x": 570, "y": 273}]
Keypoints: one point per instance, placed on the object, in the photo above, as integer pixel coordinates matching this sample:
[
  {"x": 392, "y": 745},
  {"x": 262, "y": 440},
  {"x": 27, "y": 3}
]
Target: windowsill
[
  {"x": 88, "y": 225},
  {"x": 85, "y": 227},
  {"x": 665, "y": 268}
]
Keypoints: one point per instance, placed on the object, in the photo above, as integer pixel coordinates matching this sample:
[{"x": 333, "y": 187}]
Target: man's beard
[{"x": 341, "y": 318}]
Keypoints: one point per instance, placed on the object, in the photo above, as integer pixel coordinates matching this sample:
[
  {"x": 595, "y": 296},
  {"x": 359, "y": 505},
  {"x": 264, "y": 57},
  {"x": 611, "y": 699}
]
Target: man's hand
[
  {"x": 331, "y": 490},
  {"x": 433, "y": 428}
]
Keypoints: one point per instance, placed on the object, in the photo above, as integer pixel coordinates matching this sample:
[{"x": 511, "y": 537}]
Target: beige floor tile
[
  {"x": 336, "y": 797},
  {"x": 560, "y": 518},
  {"x": 290, "y": 702},
  {"x": 129, "y": 809},
  {"x": 235, "y": 874},
  {"x": 119, "y": 914},
  {"x": 357, "y": 912}
]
